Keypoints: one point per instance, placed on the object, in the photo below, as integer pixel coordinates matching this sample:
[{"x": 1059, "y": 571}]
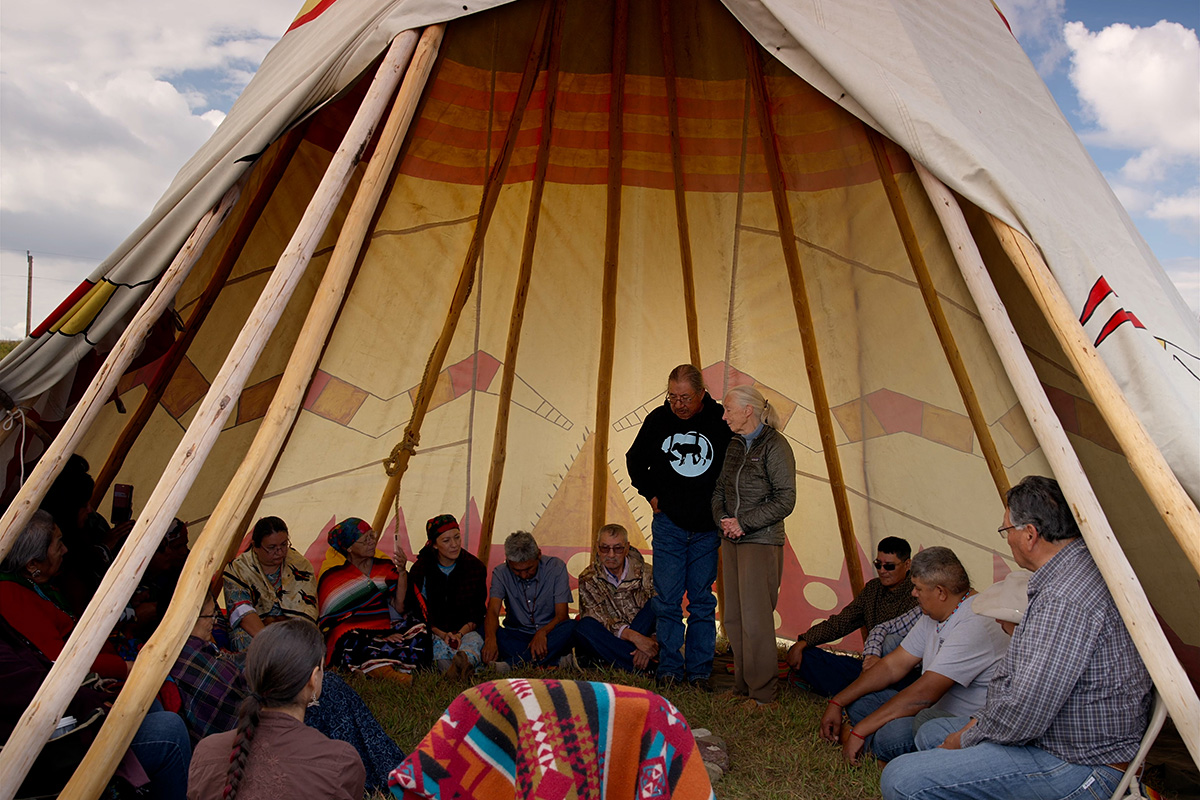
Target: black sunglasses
[{"x": 885, "y": 566}]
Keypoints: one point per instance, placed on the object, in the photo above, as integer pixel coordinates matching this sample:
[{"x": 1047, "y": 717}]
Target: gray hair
[
  {"x": 1038, "y": 501},
  {"x": 612, "y": 529},
  {"x": 687, "y": 373},
  {"x": 520, "y": 546},
  {"x": 938, "y": 566},
  {"x": 747, "y": 395},
  {"x": 32, "y": 544}
]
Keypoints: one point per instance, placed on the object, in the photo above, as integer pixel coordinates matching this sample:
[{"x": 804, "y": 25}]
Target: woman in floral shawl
[
  {"x": 270, "y": 582},
  {"x": 361, "y": 596}
]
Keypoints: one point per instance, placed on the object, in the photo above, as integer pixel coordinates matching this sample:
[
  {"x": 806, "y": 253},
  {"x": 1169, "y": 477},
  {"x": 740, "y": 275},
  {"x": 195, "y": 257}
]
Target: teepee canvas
[{"x": 453, "y": 276}]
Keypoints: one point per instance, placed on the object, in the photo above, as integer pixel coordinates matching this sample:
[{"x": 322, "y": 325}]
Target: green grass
[
  {"x": 773, "y": 755},
  {"x": 6, "y": 347}
]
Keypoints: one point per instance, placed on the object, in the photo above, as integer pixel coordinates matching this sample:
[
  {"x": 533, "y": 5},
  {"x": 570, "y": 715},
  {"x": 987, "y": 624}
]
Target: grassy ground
[
  {"x": 773, "y": 755},
  {"x": 6, "y": 348}
]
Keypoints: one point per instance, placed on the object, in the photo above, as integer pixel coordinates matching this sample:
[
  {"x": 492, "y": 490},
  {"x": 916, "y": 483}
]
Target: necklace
[{"x": 952, "y": 613}]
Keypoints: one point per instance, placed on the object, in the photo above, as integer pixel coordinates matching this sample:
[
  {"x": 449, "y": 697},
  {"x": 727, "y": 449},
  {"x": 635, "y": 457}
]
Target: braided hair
[{"x": 279, "y": 664}]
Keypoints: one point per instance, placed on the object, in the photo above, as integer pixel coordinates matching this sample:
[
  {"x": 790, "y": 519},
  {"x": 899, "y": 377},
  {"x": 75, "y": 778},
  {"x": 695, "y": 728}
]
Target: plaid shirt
[
  {"x": 1072, "y": 682},
  {"x": 211, "y": 686},
  {"x": 616, "y": 606},
  {"x": 874, "y": 604},
  {"x": 901, "y": 625}
]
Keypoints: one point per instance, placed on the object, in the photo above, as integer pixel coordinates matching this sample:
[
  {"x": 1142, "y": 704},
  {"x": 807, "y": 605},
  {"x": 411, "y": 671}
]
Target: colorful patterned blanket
[{"x": 555, "y": 740}]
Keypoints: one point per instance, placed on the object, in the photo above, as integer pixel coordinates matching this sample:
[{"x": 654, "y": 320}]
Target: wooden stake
[
  {"x": 681, "y": 215},
  {"x": 612, "y": 246},
  {"x": 1127, "y": 592},
  {"x": 1145, "y": 459},
  {"x": 157, "y": 385},
  {"x": 520, "y": 295},
  {"x": 155, "y": 660},
  {"x": 105, "y": 382},
  {"x": 933, "y": 304},
  {"x": 466, "y": 276},
  {"x": 804, "y": 320},
  {"x": 117, "y": 587}
]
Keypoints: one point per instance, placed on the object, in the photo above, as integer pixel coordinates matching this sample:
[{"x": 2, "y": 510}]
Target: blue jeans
[
  {"x": 596, "y": 644},
  {"x": 893, "y": 739},
  {"x": 828, "y": 673},
  {"x": 514, "y": 644},
  {"x": 164, "y": 750},
  {"x": 989, "y": 771},
  {"x": 684, "y": 561}
]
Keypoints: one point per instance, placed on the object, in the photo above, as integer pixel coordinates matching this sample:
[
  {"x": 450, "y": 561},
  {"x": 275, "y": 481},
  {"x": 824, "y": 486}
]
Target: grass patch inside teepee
[{"x": 773, "y": 755}]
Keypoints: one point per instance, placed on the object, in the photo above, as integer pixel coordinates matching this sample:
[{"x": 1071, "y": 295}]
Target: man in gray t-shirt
[
  {"x": 957, "y": 650},
  {"x": 535, "y": 590}
]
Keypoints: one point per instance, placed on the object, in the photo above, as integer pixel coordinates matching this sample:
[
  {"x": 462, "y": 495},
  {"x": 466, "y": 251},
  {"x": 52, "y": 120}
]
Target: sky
[{"x": 98, "y": 111}]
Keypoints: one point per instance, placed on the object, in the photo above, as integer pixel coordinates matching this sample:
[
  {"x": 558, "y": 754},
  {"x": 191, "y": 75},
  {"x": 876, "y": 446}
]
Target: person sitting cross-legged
[
  {"x": 535, "y": 591},
  {"x": 1068, "y": 705},
  {"x": 957, "y": 649},
  {"x": 616, "y": 618},
  {"x": 885, "y": 597}
]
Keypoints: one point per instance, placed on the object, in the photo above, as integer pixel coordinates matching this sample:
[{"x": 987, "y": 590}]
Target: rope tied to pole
[
  {"x": 10, "y": 421},
  {"x": 409, "y": 443}
]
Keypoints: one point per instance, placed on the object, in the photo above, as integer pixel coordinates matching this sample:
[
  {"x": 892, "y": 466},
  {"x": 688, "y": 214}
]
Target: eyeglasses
[
  {"x": 1004, "y": 531},
  {"x": 679, "y": 399},
  {"x": 277, "y": 548},
  {"x": 885, "y": 566},
  {"x": 612, "y": 548}
]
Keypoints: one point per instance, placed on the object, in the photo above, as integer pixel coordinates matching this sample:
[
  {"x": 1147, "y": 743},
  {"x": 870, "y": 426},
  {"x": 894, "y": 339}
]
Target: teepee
[{"x": 441, "y": 257}]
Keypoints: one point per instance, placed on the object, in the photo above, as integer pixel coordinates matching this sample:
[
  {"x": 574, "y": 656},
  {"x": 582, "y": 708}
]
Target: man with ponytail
[{"x": 272, "y": 753}]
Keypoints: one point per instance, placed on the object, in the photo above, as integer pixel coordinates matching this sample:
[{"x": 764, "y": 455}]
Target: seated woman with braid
[
  {"x": 273, "y": 753},
  {"x": 361, "y": 597},
  {"x": 268, "y": 583}
]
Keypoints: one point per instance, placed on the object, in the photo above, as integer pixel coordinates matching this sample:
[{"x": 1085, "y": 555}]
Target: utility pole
[{"x": 29, "y": 295}]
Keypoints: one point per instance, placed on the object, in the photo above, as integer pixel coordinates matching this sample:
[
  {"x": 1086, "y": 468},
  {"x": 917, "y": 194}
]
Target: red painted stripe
[
  {"x": 1117, "y": 320},
  {"x": 311, "y": 15},
  {"x": 1100, "y": 290},
  {"x": 63, "y": 308}
]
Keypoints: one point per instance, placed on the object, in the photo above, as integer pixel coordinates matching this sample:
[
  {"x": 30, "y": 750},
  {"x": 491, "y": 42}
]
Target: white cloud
[
  {"x": 100, "y": 106},
  {"x": 1038, "y": 26},
  {"x": 1185, "y": 274},
  {"x": 1138, "y": 86}
]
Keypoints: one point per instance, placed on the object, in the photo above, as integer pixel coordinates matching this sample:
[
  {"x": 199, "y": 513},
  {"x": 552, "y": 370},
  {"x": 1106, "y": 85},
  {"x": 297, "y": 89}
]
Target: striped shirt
[{"x": 1072, "y": 683}]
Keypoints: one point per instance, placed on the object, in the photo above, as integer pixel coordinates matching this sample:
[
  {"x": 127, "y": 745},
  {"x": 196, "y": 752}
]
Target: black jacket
[
  {"x": 451, "y": 600},
  {"x": 678, "y": 461}
]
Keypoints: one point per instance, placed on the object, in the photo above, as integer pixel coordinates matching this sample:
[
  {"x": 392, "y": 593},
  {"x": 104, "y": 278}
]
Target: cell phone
[{"x": 122, "y": 507}]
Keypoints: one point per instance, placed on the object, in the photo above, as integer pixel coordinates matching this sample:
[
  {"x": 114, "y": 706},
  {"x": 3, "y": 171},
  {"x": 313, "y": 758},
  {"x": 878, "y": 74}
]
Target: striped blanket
[{"x": 555, "y": 740}]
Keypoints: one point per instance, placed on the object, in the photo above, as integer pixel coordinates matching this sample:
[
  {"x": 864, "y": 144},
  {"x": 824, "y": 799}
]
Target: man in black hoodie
[{"x": 674, "y": 463}]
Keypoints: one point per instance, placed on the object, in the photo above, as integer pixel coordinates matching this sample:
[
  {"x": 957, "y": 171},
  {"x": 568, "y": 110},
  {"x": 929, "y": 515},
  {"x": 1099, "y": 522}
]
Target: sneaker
[
  {"x": 568, "y": 662},
  {"x": 502, "y": 667},
  {"x": 700, "y": 684},
  {"x": 668, "y": 681}
]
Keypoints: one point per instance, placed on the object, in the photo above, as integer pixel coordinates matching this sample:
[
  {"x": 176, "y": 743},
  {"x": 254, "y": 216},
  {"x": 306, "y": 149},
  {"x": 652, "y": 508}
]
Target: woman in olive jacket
[{"x": 756, "y": 490}]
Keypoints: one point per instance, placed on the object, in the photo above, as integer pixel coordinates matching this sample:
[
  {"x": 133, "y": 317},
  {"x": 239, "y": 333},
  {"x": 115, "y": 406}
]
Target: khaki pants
[{"x": 752, "y": 573}]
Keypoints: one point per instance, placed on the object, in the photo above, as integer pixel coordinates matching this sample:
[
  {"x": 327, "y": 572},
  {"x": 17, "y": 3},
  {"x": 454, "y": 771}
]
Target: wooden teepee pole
[
  {"x": 912, "y": 246},
  {"x": 397, "y": 463},
  {"x": 157, "y": 385},
  {"x": 681, "y": 215},
  {"x": 1145, "y": 459},
  {"x": 500, "y": 438},
  {"x": 156, "y": 658},
  {"x": 804, "y": 320},
  {"x": 1127, "y": 592},
  {"x": 101, "y": 388},
  {"x": 38, "y": 721},
  {"x": 612, "y": 246}
]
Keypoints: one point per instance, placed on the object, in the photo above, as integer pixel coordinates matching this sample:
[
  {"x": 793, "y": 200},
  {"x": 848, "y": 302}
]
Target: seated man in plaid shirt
[
  {"x": 616, "y": 619},
  {"x": 1067, "y": 706}
]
